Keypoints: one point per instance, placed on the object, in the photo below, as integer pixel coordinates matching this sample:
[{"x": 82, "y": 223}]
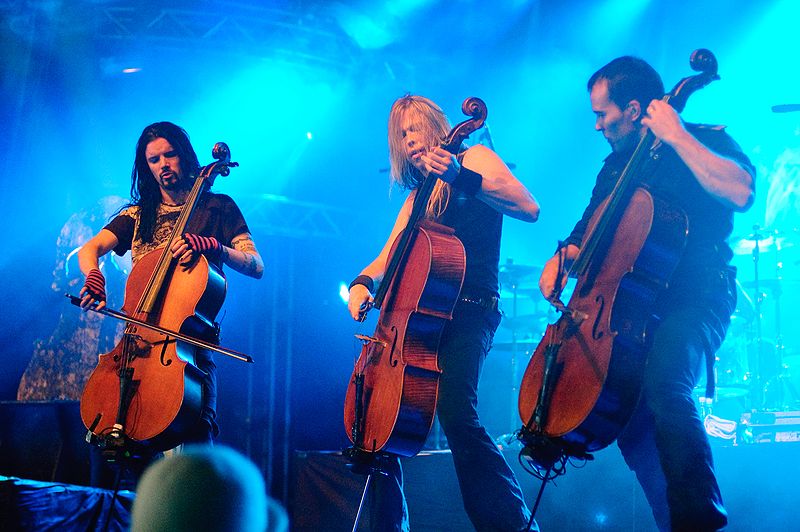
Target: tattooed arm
[{"x": 243, "y": 257}]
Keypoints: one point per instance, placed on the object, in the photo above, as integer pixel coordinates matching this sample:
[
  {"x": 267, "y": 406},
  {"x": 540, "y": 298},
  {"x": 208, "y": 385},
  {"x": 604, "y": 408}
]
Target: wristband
[
  {"x": 207, "y": 245},
  {"x": 365, "y": 280},
  {"x": 96, "y": 285},
  {"x": 467, "y": 181}
]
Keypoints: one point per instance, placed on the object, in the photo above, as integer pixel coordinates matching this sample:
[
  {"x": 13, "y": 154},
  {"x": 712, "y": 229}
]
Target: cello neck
[
  {"x": 151, "y": 295},
  {"x": 406, "y": 237},
  {"x": 616, "y": 203},
  {"x": 476, "y": 109},
  {"x": 701, "y": 60},
  {"x": 205, "y": 178}
]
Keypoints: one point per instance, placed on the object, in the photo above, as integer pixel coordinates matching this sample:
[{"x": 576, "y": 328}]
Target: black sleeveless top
[{"x": 479, "y": 228}]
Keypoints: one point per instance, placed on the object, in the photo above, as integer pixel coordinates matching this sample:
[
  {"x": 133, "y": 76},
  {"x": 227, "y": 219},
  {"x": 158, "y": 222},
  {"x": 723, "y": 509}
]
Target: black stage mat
[
  {"x": 758, "y": 482},
  {"x": 31, "y": 505}
]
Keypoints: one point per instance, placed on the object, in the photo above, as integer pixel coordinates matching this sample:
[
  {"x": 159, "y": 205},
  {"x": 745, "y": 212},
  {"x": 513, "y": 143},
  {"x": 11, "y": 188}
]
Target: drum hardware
[
  {"x": 512, "y": 275},
  {"x": 530, "y": 323},
  {"x": 518, "y": 280},
  {"x": 768, "y": 373},
  {"x": 527, "y": 345}
]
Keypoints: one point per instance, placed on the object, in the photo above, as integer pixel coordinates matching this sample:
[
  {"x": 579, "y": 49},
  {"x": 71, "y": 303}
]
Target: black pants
[
  {"x": 492, "y": 496},
  {"x": 665, "y": 443}
]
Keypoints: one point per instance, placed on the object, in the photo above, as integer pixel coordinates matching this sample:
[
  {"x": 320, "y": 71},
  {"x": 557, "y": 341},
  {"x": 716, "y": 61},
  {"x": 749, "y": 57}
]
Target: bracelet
[
  {"x": 467, "y": 181},
  {"x": 365, "y": 280}
]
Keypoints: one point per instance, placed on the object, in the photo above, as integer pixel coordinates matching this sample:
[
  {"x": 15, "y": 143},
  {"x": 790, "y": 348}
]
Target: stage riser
[
  {"x": 758, "y": 482},
  {"x": 43, "y": 441},
  {"x": 33, "y": 506}
]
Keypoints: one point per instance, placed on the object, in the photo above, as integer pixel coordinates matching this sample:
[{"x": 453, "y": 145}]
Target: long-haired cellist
[
  {"x": 474, "y": 191},
  {"x": 160, "y": 183}
]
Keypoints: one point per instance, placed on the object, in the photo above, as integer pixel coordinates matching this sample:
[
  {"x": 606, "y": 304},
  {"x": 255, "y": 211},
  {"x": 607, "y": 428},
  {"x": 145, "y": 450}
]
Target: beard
[
  {"x": 173, "y": 182},
  {"x": 625, "y": 144}
]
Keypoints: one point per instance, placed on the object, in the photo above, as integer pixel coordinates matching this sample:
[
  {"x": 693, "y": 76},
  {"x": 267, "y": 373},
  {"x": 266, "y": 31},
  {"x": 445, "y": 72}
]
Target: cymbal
[
  {"x": 767, "y": 241},
  {"x": 724, "y": 392},
  {"x": 730, "y": 392},
  {"x": 511, "y": 275},
  {"x": 525, "y": 322},
  {"x": 527, "y": 290},
  {"x": 524, "y": 345},
  {"x": 770, "y": 284}
]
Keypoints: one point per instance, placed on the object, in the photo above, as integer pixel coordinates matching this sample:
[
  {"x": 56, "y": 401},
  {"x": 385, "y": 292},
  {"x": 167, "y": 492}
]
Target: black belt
[{"x": 486, "y": 303}]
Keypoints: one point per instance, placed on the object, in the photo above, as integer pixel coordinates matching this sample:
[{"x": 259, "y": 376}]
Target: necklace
[{"x": 165, "y": 204}]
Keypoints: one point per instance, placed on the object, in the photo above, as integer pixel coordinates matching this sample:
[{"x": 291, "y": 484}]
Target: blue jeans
[
  {"x": 665, "y": 442},
  {"x": 492, "y": 496}
]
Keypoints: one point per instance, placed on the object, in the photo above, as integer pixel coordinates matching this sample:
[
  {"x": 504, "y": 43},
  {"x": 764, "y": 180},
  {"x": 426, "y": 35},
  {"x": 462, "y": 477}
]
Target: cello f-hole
[
  {"x": 596, "y": 332},
  {"x": 392, "y": 359},
  {"x": 164, "y": 362}
]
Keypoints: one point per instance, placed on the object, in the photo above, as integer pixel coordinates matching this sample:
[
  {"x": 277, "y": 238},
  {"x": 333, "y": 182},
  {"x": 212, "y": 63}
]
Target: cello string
[{"x": 155, "y": 284}]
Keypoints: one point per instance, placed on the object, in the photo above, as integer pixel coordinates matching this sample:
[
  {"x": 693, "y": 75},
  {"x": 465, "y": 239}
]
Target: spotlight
[{"x": 601, "y": 518}]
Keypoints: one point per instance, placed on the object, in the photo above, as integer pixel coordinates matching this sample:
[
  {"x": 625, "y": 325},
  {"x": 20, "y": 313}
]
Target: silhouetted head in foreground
[{"x": 205, "y": 488}]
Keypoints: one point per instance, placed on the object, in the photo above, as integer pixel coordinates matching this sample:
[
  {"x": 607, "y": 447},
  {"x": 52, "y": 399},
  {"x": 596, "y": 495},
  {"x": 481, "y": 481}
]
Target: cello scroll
[
  {"x": 474, "y": 107},
  {"x": 702, "y": 61},
  {"x": 222, "y": 166}
]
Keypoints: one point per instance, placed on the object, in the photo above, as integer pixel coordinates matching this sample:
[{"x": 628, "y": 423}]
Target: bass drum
[
  {"x": 735, "y": 365},
  {"x": 734, "y": 359}
]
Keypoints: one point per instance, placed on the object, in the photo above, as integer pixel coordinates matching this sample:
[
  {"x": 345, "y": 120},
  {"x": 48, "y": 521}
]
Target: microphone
[
  {"x": 486, "y": 135},
  {"x": 786, "y": 108}
]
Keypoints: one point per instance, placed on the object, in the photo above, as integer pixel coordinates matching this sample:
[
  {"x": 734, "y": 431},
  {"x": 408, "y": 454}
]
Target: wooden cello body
[
  {"x": 391, "y": 396},
  {"x": 599, "y": 360},
  {"x": 147, "y": 390},
  {"x": 583, "y": 381},
  {"x": 163, "y": 397},
  {"x": 391, "y": 399}
]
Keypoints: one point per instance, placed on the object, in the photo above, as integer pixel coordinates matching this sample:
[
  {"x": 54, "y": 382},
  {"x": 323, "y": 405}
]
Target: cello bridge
[{"x": 370, "y": 340}]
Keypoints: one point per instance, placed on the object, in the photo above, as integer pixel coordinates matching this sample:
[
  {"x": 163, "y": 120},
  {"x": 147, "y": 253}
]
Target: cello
[
  {"x": 147, "y": 390},
  {"x": 391, "y": 396},
  {"x": 583, "y": 381}
]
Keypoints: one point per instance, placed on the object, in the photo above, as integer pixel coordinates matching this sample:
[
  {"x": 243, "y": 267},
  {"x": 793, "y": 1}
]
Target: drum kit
[
  {"x": 755, "y": 362},
  {"x": 525, "y": 316}
]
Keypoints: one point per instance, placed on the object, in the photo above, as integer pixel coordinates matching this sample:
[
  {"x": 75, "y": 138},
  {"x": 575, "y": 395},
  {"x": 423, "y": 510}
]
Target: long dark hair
[{"x": 144, "y": 189}]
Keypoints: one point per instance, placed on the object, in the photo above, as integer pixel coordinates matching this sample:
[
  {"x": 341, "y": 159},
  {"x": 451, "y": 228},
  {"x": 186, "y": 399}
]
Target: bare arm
[
  {"x": 721, "y": 177},
  {"x": 89, "y": 259},
  {"x": 359, "y": 295},
  {"x": 550, "y": 272},
  {"x": 99, "y": 245},
  {"x": 499, "y": 188},
  {"x": 243, "y": 256}
]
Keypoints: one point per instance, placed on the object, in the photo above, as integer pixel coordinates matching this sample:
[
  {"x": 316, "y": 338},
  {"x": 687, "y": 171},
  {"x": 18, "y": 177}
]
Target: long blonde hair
[{"x": 434, "y": 127}]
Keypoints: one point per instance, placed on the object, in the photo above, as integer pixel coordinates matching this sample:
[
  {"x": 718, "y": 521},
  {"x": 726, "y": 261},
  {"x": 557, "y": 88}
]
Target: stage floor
[{"x": 758, "y": 482}]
